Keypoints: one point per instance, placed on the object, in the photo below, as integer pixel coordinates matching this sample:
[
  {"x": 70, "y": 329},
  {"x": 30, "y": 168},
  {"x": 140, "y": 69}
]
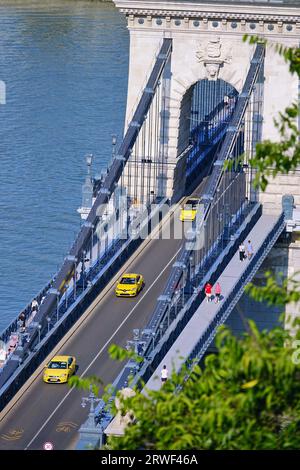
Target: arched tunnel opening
[{"x": 205, "y": 113}]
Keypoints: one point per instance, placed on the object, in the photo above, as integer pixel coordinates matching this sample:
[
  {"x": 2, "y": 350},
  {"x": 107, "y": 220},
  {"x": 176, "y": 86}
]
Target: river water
[{"x": 65, "y": 67}]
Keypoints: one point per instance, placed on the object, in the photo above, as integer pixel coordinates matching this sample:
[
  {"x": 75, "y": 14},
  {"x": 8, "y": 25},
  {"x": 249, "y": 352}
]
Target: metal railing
[
  {"x": 237, "y": 291},
  {"x": 185, "y": 277},
  {"x": 55, "y": 290},
  {"x": 230, "y": 186}
]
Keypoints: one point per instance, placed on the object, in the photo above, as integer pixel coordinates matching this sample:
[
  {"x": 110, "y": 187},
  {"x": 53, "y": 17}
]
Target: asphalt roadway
[{"x": 52, "y": 412}]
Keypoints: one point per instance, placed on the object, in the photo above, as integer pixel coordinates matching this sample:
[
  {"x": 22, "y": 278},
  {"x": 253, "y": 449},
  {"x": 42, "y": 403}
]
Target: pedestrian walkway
[{"x": 187, "y": 340}]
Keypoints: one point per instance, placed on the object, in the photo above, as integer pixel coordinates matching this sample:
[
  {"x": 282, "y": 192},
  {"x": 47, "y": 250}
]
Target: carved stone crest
[{"x": 214, "y": 56}]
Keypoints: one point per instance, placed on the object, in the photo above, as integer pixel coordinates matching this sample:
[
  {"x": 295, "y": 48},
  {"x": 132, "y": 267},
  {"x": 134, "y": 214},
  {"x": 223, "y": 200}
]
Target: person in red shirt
[{"x": 208, "y": 291}]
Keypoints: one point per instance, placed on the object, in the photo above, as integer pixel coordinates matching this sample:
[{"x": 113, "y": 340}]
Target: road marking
[
  {"x": 102, "y": 349},
  {"x": 66, "y": 426},
  {"x": 86, "y": 316},
  {"x": 13, "y": 435}
]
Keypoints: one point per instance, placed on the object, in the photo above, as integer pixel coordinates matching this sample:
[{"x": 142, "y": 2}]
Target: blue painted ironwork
[
  {"x": 220, "y": 246},
  {"x": 77, "y": 298},
  {"x": 213, "y": 103},
  {"x": 236, "y": 293},
  {"x": 179, "y": 302},
  {"x": 109, "y": 183},
  {"x": 220, "y": 183}
]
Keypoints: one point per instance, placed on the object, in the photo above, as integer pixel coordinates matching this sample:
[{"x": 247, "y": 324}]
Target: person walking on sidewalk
[
  {"x": 208, "y": 291},
  {"x": 217, "y": 292},
  {"x": 164, "y": 374},
  {"x": 250, "y": 250},
  {"x": 242, "y": 251}
]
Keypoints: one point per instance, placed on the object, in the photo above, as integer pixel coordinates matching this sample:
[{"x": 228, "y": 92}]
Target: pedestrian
[
  {"x": 226, "y": 100},
  {"x": 242, "y": 251},
  {"x": 208, "y": 291},
  {"x": 217, "y": 292},
  {"x": 164, "y": 374},
  {"x": 22, "y": 319},
  {"x": 34, "y": 305},
  {"x": 250, "y": 250}
]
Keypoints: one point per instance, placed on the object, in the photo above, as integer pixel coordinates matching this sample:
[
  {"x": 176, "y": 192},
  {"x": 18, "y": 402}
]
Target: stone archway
[{"x": 205, "y": 111}]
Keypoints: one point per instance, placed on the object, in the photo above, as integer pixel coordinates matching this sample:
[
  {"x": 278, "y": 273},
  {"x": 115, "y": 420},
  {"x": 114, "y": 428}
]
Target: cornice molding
[{"x": 210, "y": 15}]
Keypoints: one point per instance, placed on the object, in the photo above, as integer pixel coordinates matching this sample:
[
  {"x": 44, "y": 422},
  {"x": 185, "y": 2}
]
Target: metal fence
[
  {"x": 228, "y": 197},
  {"x": 227, "y": 200},
  {"x": 70, "y": 287}
]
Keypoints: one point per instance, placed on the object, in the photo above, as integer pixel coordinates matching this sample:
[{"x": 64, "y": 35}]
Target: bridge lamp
[
  {"x": 184, "y": 276},
  {"x": 39, "y": 331},
  {"x": 48, "y": 321},
  {"x": 177, "y": 296},
  {"x": 113, "y": 143},
  {"x": 169, "y": 301},
  {"x": 153, "y": 340},
  {"x": 93, "y": 401},
  {"x": 191, "y": 258},
  {"x": 89, "y": 160},
  {"x": 136, "y": 334},
  {"x": 161, "y": 328}
]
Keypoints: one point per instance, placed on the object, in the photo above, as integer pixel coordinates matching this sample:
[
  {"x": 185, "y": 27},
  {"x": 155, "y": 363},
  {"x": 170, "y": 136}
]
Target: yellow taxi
[
  {"x": 189, "y": 210},
  {"x": 59, "y": 369},
  {"x": 129, "y": 285}
]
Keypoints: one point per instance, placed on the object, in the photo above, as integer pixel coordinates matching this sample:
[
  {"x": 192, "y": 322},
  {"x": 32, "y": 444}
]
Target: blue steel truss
[
  {"x": 183, "y": 261},
  {"x": 53, "y": 292},
  {"x": 179, "y": 287},
  {"x": 234, "y": 296}
]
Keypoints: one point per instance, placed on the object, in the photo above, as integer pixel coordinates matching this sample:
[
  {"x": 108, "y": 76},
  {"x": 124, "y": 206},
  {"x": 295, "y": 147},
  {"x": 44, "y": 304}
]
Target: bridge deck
[
  {"x": 185, "y": 343},
  {"x": 53, "y": 412}
]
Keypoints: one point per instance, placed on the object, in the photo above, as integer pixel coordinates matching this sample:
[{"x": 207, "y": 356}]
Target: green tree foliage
[
  {"x": 283, "y": 157},
  {"x": 246, "y": 397},
  {"x": 275, "y": 291}
]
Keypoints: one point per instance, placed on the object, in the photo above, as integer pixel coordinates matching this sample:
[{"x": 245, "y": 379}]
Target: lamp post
[
  {"x": 184, "y": 269},
  {"x": 136, "y": 344},
  {"x": 39, "y": 331},
  {"x": 177, "y": 295},
  {"x": 48, "y": 322},
  {"x": 191, "y": 272},
  {"x": 153, "y": 340},
  {"x": 56, "y": 292},
  {"x": 89, "y": 160},
  {"x": 89, "y": 225},
  {"x": 161, "y": 329},
  {"x": 73, "y": 259},
  {"x": 83, "y": 267},
  {"x": 92, "y": 400},
  {"x": 113, "y": 143},
  {"x": 83, "y": 261}
]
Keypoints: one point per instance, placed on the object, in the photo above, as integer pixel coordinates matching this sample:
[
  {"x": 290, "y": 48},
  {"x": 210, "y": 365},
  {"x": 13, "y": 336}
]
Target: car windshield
[
  {"x": 128, "y": 280},
  {"x": 191, "y": 204},
  {"x": 57, "y": 365}
]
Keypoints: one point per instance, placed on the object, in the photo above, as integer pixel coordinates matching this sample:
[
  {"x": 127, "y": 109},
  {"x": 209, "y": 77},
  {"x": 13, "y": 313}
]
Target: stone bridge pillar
[{"x": 208, "y": 43}]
